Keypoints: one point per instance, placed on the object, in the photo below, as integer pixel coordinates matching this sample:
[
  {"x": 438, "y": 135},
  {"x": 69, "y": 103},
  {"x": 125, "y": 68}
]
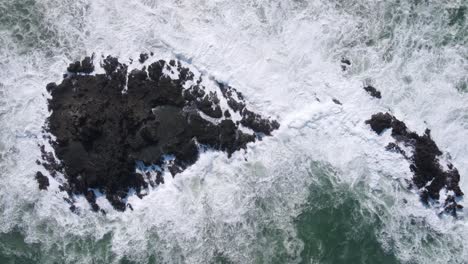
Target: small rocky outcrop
[
  {"x": 345, "y": 64},
  {"x": 373, "y": 91},
  {"x": 42, "y": 180},
  {"x": 429, "y": 174},
  {"x": 106, "y": 124},
  {"x": 336, "y": 101}
]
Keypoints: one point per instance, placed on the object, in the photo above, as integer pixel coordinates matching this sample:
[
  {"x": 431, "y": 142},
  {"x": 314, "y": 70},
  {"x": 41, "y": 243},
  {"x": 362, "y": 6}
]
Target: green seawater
[{"x": 336, "y": 228}]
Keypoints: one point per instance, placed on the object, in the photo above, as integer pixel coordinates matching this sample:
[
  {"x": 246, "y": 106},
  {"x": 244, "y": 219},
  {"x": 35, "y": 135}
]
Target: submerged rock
[
  {"x": 429, "y": 175},
  {"x": 104, "y": 124},
  {"x": 336, "y": 101},
  {"x": 345, "y": 64}
]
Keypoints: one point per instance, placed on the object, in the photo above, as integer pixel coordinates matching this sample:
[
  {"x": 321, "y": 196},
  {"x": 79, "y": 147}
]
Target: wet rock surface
[
  {"x": 42, "y": 180},
  {"x": 106, "y": 124},
  {"x": 430, "y": 176},
  {"x": 345, "y": 64},
  {"x": 373, "y": 91}
]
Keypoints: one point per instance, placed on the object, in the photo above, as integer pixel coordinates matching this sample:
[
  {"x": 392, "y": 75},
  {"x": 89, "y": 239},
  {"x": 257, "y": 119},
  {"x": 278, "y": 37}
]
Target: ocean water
[{"x": 322, "y": 189}]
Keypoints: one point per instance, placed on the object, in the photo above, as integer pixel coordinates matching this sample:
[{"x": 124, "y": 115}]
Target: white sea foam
[{"x": 284, "y": 57}]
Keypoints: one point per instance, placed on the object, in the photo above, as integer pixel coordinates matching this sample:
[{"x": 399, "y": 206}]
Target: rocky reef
[
  {"x": 431, "y": 174},
  {"x": 159, "y": 115}
]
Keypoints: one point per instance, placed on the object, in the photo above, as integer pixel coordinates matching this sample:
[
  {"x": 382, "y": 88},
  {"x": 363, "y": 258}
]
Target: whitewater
[{"x": 322, "y": 189}]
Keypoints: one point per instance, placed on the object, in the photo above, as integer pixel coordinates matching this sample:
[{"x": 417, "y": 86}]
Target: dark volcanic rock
[
  {"x": 372, "y": 91},
  {"x": 257, "y": 123},
  {"x": 105, "y": 124},
  {"x": 85, "y": 66},
  {"x": 429, "y": 175},
  {"x": 42, "y": 180},
  {"x": 336, "y": 101},
  {"x": 143, "y": 57},
  {"x": 345, "y": 64},
  {"x": 379, "y": 122}
]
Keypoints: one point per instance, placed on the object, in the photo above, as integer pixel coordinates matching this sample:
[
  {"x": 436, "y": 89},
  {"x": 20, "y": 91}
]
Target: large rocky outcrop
[{"x": 104, "y": 124}]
